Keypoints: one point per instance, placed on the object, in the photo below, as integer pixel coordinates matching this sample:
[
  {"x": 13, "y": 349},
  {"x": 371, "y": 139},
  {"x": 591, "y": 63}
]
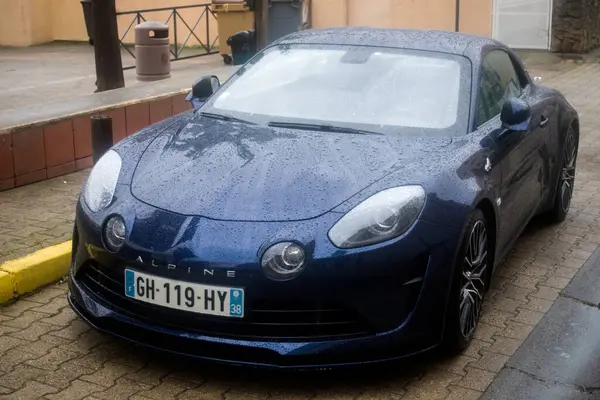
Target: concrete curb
[{"x": 25, "y": 275}]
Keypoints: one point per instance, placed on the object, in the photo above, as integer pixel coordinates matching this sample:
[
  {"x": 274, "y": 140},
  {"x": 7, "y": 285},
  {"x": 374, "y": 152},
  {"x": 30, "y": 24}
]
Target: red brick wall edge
[{"x": 58, "y": 148}]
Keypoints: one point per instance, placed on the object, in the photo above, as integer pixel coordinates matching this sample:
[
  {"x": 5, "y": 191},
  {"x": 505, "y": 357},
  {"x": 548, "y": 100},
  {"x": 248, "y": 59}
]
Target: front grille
[{"x": 265, "y": 319}]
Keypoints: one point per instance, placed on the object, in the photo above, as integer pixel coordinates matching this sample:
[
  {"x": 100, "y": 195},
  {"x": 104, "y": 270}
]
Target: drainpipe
[
  {"x": 347, "y": 3},
  {"x": 457, "y": 17}
]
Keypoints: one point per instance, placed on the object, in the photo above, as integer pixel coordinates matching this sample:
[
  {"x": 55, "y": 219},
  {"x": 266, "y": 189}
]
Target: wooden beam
[
  {"x": 261, "y": 23},
  {"x": 109, "y": 66}
]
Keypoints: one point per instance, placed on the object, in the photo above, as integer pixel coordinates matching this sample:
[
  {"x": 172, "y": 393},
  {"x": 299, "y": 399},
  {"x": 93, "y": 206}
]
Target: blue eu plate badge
[{"x": 236, "y": 303}]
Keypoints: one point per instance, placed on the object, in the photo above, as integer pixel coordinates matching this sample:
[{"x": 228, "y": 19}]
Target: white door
[{"x": 523, "y": 24}]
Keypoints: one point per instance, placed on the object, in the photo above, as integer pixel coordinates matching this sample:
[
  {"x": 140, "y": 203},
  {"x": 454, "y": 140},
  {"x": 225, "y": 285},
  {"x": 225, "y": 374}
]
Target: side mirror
[
  {"x": 204, "y": 87},
  {"x": 515, "y": 115}
]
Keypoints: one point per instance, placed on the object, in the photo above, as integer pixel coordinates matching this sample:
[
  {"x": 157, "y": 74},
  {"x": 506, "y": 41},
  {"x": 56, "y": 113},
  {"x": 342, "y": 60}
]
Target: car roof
[{"x": 412, "y": 39}]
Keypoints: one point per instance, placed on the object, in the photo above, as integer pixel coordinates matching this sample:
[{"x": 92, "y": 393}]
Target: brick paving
[
  {"x": 38, "y": 215},
  {"x": 46, "y": 352}
]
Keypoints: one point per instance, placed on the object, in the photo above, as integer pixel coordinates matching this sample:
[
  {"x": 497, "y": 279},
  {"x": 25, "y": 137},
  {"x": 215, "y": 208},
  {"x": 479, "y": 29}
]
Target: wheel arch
[
  {"x": 489, "y": 211},
  {"x": 568, "y": 116},
  {"x": 486, "y": 206}
]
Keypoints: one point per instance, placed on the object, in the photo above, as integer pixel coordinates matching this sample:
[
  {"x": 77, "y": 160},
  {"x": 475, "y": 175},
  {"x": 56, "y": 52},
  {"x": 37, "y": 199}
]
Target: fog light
[
  {"x": 283, "y": 261},
  {"x": 114, "y": 233}
]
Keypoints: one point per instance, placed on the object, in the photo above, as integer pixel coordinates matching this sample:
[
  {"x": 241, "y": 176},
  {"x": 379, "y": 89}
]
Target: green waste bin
[
  {"x": 243, "y": 46},
  {"x": 232, "y": 16}
]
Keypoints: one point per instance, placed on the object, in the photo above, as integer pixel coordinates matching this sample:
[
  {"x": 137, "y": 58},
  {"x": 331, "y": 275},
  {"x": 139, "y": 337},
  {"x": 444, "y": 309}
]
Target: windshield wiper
[
  {"x": 321, "y": 127},
  {"x": 224, "y": 117}
]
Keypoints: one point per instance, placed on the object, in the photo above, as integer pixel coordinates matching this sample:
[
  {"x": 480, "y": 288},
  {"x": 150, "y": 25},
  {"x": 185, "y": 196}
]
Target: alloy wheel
[
  {"x": 473, "y": 279},
  {"x": 567, "y": 176}
]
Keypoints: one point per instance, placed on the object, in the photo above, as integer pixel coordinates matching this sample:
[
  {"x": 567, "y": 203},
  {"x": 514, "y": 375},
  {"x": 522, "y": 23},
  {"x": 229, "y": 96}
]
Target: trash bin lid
[
  {"x": 151, "y": 32},
  {"x": 152, "y": 25}
]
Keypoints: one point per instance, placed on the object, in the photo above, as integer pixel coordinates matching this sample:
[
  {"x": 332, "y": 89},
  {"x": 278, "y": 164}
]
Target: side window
[{"x": 499, "y": 81}]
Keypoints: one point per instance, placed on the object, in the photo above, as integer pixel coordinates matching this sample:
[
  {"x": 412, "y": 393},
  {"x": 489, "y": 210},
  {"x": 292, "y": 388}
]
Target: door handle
[{"x": 543, "y": 121}]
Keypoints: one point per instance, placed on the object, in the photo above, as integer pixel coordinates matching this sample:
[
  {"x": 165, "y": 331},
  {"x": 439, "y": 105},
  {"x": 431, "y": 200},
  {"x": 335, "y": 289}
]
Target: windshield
[{"x": 368, "y": 87}]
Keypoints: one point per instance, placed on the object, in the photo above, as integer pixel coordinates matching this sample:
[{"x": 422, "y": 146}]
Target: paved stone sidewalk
[
  {"x": 560, "y": 358},
  {"x": 38, "y": 215},
  {"x": 62, "y": 70},
  {"x": 47, "y": 352}
]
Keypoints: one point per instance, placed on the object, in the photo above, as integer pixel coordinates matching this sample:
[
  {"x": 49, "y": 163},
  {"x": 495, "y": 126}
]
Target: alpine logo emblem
[{"x": 205, "y": 271}]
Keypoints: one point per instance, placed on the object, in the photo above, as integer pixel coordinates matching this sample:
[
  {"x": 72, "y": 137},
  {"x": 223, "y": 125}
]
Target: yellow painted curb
[
  {"x": 6, "y": 288},
  {"x": 25, "y": 275}
]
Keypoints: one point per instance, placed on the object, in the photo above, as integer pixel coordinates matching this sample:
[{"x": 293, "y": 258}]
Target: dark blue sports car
[{"x": 343, "y": 198}]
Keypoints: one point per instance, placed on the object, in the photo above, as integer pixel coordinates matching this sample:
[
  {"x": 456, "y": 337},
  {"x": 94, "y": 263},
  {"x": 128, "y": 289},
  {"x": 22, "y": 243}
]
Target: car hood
[{"x": 234, "y": 171}]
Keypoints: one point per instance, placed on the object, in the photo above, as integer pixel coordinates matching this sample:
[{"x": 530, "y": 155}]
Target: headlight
[
  {"x": 381, "y": 217},
  {"x": 100, "y": 187},
  {"x": 283, "y": 261}
]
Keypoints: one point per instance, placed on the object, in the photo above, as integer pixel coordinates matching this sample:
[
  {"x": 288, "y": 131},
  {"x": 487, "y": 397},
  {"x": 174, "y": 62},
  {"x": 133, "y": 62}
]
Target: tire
[
  {"x": 566, "y": 178},
  {"x": 469, "y": 284},
  {"x": 227, "y": 59}
]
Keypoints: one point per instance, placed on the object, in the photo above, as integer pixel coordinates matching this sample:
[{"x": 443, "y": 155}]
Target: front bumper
[
  {"x": 280, "y": 355},
  {"x": 348, "y": 307}
]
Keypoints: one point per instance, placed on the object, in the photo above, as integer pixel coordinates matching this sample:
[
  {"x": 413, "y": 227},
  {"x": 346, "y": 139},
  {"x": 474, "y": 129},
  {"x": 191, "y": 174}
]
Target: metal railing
[{"x": 177, "y": 48}]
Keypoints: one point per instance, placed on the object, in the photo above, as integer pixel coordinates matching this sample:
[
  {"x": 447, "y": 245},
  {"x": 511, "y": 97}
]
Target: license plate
[{"x": 186, "y": 296}]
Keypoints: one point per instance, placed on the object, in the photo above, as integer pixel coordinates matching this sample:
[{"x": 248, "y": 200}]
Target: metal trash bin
[
  {"x": 152, "y": 51},
  {"x": 232, "y": 16},
  {"x": 243, "y": 46}
]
